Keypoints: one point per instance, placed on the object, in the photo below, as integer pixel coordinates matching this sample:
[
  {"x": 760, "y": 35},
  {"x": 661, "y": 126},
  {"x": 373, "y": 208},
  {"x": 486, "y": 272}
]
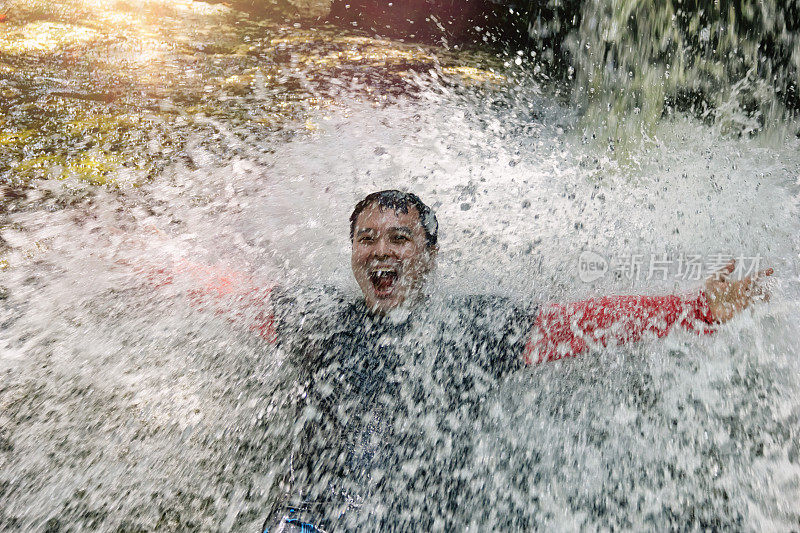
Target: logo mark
[{"x": 591, "y": 266}]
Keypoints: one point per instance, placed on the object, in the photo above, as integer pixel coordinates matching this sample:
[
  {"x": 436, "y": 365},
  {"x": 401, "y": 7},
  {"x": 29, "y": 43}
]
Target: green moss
[
  {"x": 94, "y": 169},
  {"x": 15, "y": 138},
  {"x": 40, "y": 167}
]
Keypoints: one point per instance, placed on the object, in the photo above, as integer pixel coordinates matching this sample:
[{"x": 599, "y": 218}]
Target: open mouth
[{"x": 383, "y": 280}]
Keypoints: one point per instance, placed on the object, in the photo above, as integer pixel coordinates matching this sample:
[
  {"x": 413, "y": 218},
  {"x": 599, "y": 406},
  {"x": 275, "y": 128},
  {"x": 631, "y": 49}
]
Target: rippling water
[{"x": 125, "y": 408}]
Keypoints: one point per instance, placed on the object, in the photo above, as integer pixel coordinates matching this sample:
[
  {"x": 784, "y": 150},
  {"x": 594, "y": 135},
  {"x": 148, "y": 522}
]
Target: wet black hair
[{"x": 399, "y": 201}]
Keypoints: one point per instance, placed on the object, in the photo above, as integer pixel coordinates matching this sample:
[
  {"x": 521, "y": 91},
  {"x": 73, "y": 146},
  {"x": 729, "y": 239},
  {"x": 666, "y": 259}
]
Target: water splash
[
  {"x": 123, "y": 407},
  {"x": 734, "y": 64}
]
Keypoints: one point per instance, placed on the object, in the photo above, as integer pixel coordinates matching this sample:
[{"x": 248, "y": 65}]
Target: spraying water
[
  {"x": 125, "y": 407},
  {"x": 733, "y": 64}
]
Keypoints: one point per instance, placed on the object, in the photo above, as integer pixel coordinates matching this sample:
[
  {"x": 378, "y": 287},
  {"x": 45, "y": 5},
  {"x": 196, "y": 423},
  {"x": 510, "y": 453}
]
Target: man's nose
[{"x": 383, "y": 248}]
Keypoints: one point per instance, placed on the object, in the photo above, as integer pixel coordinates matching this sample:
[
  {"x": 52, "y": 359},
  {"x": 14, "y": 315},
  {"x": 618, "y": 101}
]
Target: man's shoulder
[
  {"x": 491, "y": 315},
  {"x": 309, "y": 296},
  {"x": 309, "y": 307},
  {"x": 487, "y": 305},
  {"x": 489, "y": 328},
  {"x": 307, "y": 319}
]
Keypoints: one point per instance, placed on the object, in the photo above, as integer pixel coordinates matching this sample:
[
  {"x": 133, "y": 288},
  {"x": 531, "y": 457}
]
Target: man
[
  {"x": 387, "y": 390},
  {"x": 394, "y": 247}
]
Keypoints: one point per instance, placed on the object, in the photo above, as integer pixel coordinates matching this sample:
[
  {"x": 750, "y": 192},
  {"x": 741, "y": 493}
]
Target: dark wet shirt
[{"x": 389, "y": 406}]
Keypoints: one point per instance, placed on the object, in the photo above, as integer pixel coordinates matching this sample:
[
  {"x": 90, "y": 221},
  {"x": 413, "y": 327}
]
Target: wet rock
[
  {"x": 421, "y": 20},
  {"x": 280, "y": 9}
]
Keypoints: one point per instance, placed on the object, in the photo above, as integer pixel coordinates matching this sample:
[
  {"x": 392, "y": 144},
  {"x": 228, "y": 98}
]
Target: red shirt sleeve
[
  {"x": 565, "y": 330},
  {"x": 226, "y": 292}
]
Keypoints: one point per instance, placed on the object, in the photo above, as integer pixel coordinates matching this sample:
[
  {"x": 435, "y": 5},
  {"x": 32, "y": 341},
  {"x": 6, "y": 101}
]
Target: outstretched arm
[
  {"x": 226, "y": 292},
  {"x": 567, "y": 330}
]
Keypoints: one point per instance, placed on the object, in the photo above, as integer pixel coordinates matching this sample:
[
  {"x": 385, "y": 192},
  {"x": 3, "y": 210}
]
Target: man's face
[{"x": 390, "y": 256}]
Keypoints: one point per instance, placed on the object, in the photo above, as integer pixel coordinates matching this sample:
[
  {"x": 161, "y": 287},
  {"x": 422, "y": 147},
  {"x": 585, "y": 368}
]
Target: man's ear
[{"x": 432, "y": 252}]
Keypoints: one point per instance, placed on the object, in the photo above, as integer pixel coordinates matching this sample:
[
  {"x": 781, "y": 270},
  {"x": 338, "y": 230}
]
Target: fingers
[
  {"x": 723, "y": 273},
  {"x": 750, "y": 289},
  {"x": 728, "y": 297},
  {"x": 759, "y": 276},
  {"x": 759, "y": 288}
]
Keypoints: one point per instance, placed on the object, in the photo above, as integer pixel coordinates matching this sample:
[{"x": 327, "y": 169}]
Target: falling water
[
  {"x": 188, "y": 131},
  {"x": 734, "y": 64}
]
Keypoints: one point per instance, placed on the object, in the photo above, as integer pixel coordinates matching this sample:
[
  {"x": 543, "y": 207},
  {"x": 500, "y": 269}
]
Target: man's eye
[
  {"x": 400, "y": 238},
  {"x": 365, "y": 239}
]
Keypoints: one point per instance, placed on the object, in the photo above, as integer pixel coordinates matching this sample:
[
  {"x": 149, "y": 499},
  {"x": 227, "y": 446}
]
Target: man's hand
[{"x": 727, "y": 297}]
